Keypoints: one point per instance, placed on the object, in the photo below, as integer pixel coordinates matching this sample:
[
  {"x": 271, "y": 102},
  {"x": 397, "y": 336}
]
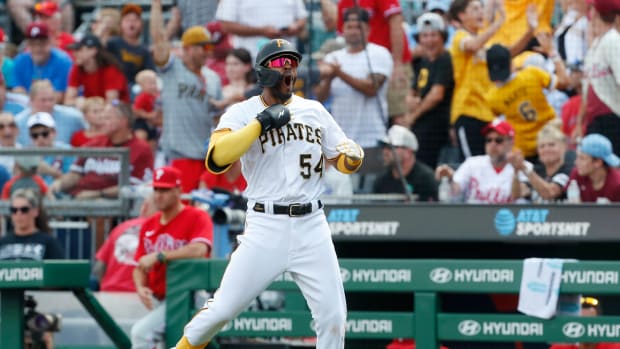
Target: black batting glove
[{"x": 274, "y": 116}]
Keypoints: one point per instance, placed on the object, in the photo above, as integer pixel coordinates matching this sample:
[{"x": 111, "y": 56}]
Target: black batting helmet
[{"x": 277, "y": 47}]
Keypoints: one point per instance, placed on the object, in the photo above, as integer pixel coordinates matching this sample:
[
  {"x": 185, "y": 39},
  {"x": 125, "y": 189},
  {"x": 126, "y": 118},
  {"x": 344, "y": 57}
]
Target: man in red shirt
[
  {"x": 594, "y": 170},
  {"x": 386, "y": 29},
  {"x": 115, "y": 262},
  {"x": 176, "y": 231},
  {"x": 231, "y": 181},
  {"x": 97, "y": 177}
]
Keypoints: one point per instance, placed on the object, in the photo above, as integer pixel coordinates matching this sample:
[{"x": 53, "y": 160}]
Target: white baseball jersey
[
  {"x": 482, "y": 183},
  {"x": 296, "y": 173},
  {"x": 283, "y": 166}
]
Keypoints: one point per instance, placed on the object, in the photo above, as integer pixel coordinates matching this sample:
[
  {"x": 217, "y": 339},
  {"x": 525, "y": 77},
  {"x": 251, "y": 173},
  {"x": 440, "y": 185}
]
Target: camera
[
  {"x": 36, "y": 324},
  {"x": 230, "y": 216},
  {"x": 225, "y": 207}
]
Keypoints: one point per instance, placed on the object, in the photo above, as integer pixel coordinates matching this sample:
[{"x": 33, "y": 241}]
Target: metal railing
[
  {"x": 70, "y": 219},
  {"x": 426, "y": 280}
]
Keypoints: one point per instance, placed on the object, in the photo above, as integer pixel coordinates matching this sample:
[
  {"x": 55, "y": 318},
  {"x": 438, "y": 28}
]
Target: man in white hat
[
  {"x": 420, "y": 177},
  {"x": 42, "y": 131}
]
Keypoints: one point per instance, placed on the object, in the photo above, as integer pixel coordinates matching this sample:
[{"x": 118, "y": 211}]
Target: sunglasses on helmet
[{"x": 280, "y": 62}]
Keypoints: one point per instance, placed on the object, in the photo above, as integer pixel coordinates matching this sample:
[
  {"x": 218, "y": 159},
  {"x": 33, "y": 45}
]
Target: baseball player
[
  {"x": 284, "y": 143},
  {"x": 175, "y": 232}
]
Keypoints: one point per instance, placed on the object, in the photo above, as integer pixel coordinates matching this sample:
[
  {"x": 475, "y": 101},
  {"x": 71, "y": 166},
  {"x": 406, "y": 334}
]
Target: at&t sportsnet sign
[
  {"x": 346, "y": 222},
  {"x": 537, "y": 223}
]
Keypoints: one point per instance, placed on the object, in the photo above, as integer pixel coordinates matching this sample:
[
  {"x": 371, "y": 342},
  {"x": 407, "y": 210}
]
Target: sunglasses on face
[
  {"x": 282, "y": 61},
  {"x": 23, "y": 209},
  {"x": 36, "y": 135},
  {"x": 497, "y": 140},
  {"x": 9, "y": 125}
]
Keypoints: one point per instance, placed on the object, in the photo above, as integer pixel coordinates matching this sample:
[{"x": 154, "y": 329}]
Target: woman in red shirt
[{"x": 96, "y": 73}]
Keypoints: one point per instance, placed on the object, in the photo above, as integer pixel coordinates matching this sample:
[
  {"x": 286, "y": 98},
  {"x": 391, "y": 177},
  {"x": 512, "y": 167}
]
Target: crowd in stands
[
  {"x": 503, "y": 101},
  {"x": 444, "y": 74},
  {"x": 511, "y": 101}
]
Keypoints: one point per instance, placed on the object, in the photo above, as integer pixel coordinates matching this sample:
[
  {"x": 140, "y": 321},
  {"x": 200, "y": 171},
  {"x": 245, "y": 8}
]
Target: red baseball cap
[
  {"x": 167, "y": 177},
  {"x": 37, "y": 30},
  {"x": 500, "y": 126},
  {"x": 46, "y": 8},
  {"x": 605, "y": 6}
]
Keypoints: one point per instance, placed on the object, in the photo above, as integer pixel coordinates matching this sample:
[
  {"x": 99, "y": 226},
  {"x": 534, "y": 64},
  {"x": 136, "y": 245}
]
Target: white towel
[{"x": 540, "y": 287}]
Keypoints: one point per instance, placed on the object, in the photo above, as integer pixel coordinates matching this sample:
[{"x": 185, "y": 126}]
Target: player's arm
[
  {"x": 161, "y": 47},
  {"x": 145, "y": 294},
  {"x": 350, "y": 158},
  {"x": 191, "y": 250},
  {"x": 99, "y": 270},
  {"x": 226, "y": 146}
]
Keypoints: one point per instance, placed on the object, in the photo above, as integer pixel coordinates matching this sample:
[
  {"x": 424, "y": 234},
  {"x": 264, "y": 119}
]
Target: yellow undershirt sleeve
[{"x": 226, "y": 146}]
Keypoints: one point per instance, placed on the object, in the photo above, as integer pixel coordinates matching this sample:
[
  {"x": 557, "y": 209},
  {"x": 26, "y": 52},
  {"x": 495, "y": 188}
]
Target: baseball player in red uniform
[
  {"x": 175, "y": 232},
  {"x": 284, "y": 143}
]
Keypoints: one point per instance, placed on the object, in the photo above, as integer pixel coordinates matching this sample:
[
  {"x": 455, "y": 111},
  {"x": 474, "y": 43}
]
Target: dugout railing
[
  {"x": 17, "y": 277},
  {"x": 426, "y": 279}
]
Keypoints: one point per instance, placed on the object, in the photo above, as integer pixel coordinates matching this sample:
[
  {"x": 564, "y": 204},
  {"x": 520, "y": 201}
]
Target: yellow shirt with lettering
[
  {"x": 516, "y": 20},
  {"x": 471, "y": 81},
  {"x": 522, "y": 101}
]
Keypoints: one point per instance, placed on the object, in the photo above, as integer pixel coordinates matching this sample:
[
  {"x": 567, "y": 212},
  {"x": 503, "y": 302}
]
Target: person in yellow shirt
[
  {"x": 516, "y": 20},
  {"x": 470, "y": 112},
  {"x": 520, "y": 96}
]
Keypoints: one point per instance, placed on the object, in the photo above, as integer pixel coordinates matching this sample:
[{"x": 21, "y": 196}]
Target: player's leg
[
  {"x": 149, "y": 330},
  {"x": 314, "y": 267},
  {"x": 259, "y": 259}
]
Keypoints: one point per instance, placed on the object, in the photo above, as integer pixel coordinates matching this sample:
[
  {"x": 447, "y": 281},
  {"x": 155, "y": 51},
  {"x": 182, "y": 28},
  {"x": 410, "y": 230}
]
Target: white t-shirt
[
  {"x": 254, "y": 13},
  {"x": 286, "y": 165},
  {"x": 481, "y": 183},
  {"x": 358, "y": 115}
]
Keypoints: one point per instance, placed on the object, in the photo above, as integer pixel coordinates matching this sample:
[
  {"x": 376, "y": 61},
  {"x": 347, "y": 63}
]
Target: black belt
[{"x": 293, "y": 210}]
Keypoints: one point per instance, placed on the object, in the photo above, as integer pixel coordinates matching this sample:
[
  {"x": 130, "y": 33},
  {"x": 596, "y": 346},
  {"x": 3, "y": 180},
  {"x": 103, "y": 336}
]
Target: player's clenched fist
[
  {"x": 351, "y": 149},
  {"x": 274, "y": 116}
]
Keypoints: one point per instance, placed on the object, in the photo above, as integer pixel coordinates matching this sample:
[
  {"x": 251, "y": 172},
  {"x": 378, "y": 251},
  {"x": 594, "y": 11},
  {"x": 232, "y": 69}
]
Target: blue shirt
[
  {"x": 15, "y": 102},
  {"x": 60, "y": 162},
  {"x": 7, "y": 71},
  {"x": 56, "y": 70},
  {"x": 68, "y": 121},
  {"x": 5, "y": 175}
]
